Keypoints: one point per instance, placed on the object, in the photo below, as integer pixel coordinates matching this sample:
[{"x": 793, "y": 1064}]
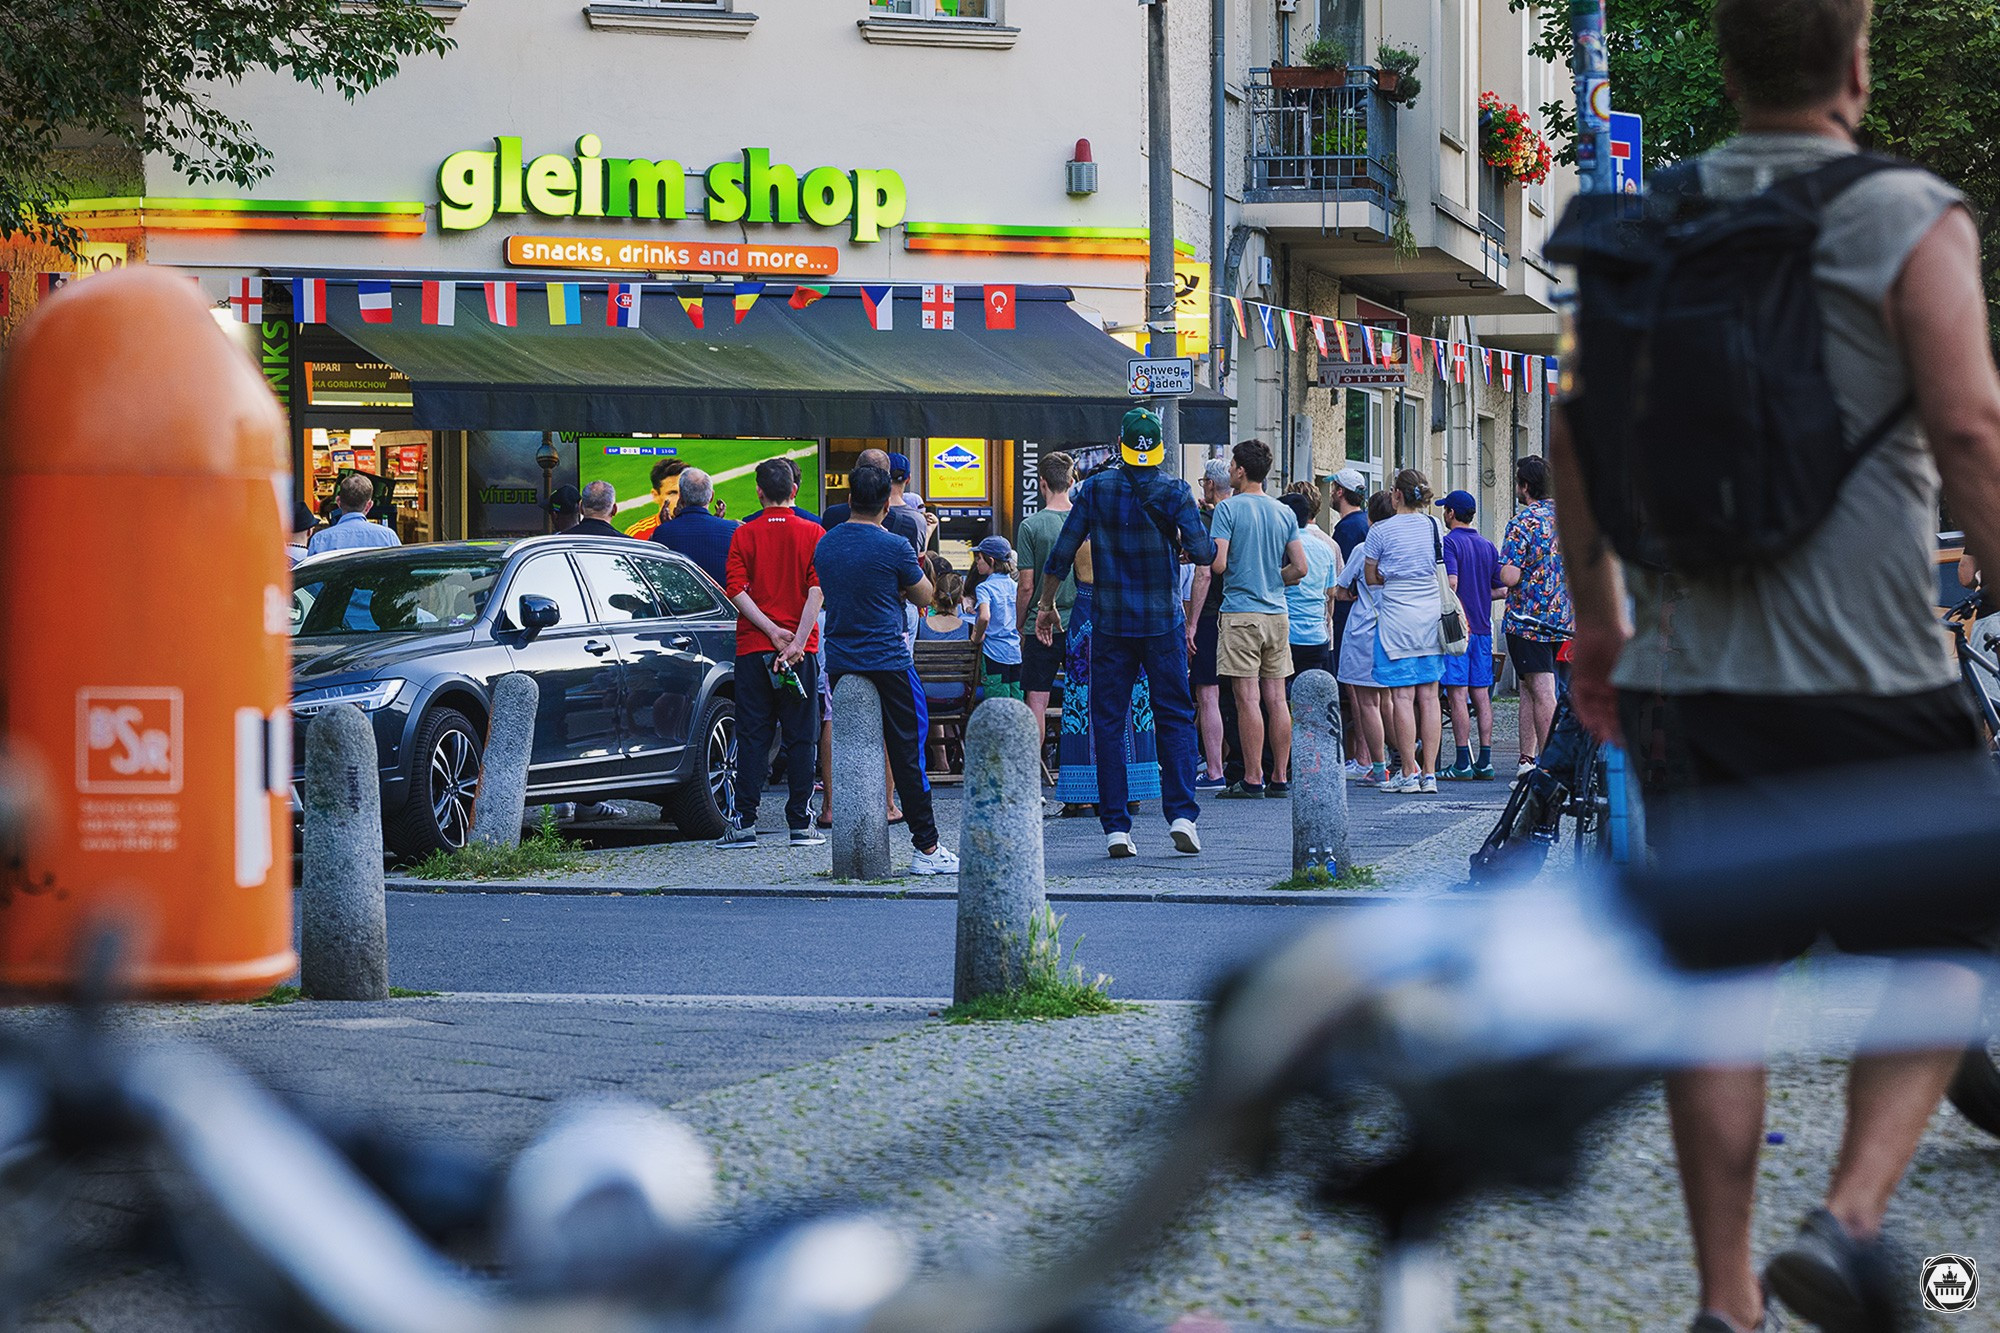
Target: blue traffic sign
[{"x": 1628, "y": 141}]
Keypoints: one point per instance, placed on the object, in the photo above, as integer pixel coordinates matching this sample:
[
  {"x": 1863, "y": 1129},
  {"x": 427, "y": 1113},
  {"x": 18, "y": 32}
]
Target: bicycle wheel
[{"x": 1591, "y": 808}]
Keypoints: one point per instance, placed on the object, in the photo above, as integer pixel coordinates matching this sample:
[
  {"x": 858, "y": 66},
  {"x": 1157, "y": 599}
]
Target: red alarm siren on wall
[{"x": 1082, "y": 170}]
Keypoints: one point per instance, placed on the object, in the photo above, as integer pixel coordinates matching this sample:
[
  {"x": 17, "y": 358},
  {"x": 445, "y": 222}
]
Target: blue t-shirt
[
  {"x": 1003, "y": 636},
  {"x": 863, "y": 569},
  {"x": 1476, "y": 562},
  {"x": 1258, "y": 529},
  {"x": 1349, "y": 532},
  {"x": 1305, "y": 601}
]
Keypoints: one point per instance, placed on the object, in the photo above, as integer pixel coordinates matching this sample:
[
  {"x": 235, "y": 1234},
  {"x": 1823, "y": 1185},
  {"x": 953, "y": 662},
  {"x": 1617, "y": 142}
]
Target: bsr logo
[{"x": 130, "y": 740}]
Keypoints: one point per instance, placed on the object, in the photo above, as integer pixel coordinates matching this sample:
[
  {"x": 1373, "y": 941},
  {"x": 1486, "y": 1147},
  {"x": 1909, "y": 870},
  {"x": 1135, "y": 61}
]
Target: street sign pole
[
  {"x": 1161, "y": 327},
  {"x": 1593, "y": 97}
]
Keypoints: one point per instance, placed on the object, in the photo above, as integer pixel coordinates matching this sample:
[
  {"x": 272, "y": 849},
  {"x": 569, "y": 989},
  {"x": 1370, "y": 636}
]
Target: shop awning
[{"x": 818, "y": 372}]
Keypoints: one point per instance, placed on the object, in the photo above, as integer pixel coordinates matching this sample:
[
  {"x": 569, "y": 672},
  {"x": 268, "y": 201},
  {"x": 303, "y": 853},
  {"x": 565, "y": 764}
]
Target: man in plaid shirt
[{"x": 1137, "y": 522}]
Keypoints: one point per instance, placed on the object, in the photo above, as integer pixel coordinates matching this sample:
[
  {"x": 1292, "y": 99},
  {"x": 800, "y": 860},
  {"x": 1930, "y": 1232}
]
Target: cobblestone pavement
[
  {"x": 1001, "y": 1143},
  {"x": 1415, "y": 844}
]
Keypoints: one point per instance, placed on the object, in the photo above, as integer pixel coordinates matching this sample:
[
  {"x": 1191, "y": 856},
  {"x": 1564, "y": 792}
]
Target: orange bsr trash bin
[{"x": 144, "y": 616}]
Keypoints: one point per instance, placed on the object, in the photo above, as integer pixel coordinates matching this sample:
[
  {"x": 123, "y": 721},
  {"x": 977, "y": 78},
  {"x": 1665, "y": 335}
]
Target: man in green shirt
[{"x": 1036, "y": 537}]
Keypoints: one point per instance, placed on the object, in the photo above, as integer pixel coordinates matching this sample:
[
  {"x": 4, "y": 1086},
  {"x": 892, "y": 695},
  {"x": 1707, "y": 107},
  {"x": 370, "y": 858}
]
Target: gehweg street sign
[{"x": 1161, "y": 377}]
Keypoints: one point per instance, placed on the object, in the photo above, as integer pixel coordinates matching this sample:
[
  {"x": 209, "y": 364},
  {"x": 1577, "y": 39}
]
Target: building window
[
  {"x": 677, "y": 18},
  {"x": 966, "y": 23},
  {"x": 963, "y": 11}
]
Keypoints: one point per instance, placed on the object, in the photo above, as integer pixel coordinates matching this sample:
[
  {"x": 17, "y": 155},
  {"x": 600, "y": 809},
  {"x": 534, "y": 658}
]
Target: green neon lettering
[
  {"x": 639, "y": 188},
  {"x": 773, "y": 190},
  {"x": 465, "y": 191},
  {"x": 552, "y": 185},
  {"x": 828, "y": 196},
  {"x": 726, "y": 202},
  {"x": 510, "y": 174},
  {"x": 879, "y": 201}
]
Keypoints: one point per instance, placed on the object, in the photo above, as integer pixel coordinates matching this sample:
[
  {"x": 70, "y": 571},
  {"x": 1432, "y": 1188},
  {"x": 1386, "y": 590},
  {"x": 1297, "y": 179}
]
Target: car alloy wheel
[
  {"x": 721, "y": 756},
  {"x": 454, "y": 785}
]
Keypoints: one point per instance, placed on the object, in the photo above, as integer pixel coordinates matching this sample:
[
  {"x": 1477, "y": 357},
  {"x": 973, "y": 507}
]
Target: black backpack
[{"x": 1706, "y": 428}]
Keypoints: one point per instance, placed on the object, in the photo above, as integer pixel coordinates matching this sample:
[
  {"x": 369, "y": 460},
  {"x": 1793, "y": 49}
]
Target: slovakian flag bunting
[
  {"x": 745, "y": 296},
  {"x": 377, "y": 300},
  {"x": 1266, "y": 317},
  {"x": 441, "y": 303},
  {"x": 565, "y": 303},
  {"x": 879, "y": 303},
  {"x": 1319, "y": 335},
  {"x": 940, "y": 306},
  {"x": 309, "y": 300},
  {"x": 621, "y": 305},
  {"x": 1000, "y": 302},
  {"x": 1340, "y": 332},
  {"x": 502, "y": 307},
  {"x": 246, "y": 298},
  {"x": 806, "y": 293},
  {"x": 690, "y": 298}
]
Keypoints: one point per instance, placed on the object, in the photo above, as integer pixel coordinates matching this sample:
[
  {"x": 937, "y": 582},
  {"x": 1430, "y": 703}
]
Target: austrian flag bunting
[
  {"x": 441, "y": 303},
  {"x": 501, "y": 306},
  {"x": 880, "y": 305},
  {"x": 377, "y": 301},
  {"x": 940, "y": 306},
  {"x": 309, "y": 300},
  {"x": 621, "y": 305}
]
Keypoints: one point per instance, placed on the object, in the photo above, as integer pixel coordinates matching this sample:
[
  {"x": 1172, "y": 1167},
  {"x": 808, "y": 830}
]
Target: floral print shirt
[{"x": 1537, "y": 607}]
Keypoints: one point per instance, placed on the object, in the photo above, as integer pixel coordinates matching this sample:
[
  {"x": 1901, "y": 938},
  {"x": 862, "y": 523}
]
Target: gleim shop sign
[{"x": 475, "y": 185}]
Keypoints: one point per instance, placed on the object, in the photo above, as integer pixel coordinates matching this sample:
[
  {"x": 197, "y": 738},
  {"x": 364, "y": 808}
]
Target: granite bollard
[
  {"x": 503, "y": 764},
  {"x": 860, "y": 792},
  {"x": 1319, "y": 773},
  {"x": 1000, "y": 881},
  {"x": 343, "y": 920}
]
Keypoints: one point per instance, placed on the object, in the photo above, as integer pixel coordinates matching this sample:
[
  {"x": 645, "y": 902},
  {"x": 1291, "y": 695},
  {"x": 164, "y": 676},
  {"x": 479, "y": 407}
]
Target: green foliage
[
  {"x": 405, "y": 993},
  {"x": 544, "y": 852},
  {"x": 1314, "y": 878},
  {"x": 1054, "y": 986},
  {"x": 1326, "y": 53},
  {"x": 133, "y": 77},
  {"x": 1397, "y": 59},
  {"x": 276, "y": 996}
]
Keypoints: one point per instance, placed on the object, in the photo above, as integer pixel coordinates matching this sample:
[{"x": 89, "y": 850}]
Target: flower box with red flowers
[{"x": 1508, "y": 141}]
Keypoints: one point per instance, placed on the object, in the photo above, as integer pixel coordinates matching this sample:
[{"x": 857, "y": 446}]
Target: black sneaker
[
  {"x": 1828, "y": 1278},
  {"x": 807, "y": 837},
  {"x": 739, "y": 835},
  {"x": 1277, "y": 789},
  {"x": 1241, "y": 791}
]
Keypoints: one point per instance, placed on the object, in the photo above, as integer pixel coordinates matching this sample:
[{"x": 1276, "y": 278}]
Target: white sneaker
[
  {"x": 943, "y": 861},
  {"x": 1185, "y": 837},
  {"x": 1118, "y": 846},
  {"x": 1527, "y": 766},
  {"x": 1356, "y": 769},
  {"x": 1400, "y": 785},
  {"x": 1428, "y": 783}
]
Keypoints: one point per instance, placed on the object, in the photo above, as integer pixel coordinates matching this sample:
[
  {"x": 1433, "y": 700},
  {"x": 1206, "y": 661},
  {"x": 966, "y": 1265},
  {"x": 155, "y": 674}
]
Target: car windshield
[{"x": 392, "y": 594}]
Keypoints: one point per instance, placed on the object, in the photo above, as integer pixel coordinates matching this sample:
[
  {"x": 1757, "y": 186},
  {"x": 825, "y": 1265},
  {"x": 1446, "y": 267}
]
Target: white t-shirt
[{"x": 1405, "y": 551}]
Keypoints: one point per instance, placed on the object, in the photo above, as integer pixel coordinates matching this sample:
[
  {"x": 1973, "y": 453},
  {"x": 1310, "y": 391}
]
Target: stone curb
[{"x": 924, "y": 893}]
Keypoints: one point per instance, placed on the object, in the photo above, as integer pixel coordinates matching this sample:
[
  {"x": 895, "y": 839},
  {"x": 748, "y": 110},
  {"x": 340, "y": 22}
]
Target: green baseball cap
[{"x": 1139, "y": 438}]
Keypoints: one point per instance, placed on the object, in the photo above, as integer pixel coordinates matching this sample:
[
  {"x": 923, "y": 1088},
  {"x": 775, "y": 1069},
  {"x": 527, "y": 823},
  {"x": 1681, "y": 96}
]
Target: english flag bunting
[
  {"x": 377, "y": 301},
  {"x": 880, "y": 305},
  {"x": 1340, "y": 332},
  {"x": 1236, "y": 307},
  {"x": 621, "y": 305},
  {"x": 940, "y": 306},
  {"x": 1000, "y": 307},
  {"x": 501, "y": 304},
  {"x": 246, "y": 298},
  {"x": 441, "y": 303},
  {"x": 309, "y": 300},
  {"x": 1292, "y": 330},
  {"x": 690, "y": 299},
  {"x": 746, "y": 296},
  {"x": 1507, "y": 371},
  {"x": 1264, "y": 317},
  {"x": 565, "y": 303},
  {"x": 805, "y": 294},
  {"x": 1319, "y": 335}
]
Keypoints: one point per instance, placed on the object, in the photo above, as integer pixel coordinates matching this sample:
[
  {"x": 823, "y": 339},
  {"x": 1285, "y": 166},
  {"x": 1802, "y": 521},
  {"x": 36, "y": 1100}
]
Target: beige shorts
[{"x": 1254, "y": 644}]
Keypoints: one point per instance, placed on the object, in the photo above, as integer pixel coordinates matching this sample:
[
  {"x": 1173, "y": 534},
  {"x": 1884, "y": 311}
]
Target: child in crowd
[{"x": 996, "y": 631}]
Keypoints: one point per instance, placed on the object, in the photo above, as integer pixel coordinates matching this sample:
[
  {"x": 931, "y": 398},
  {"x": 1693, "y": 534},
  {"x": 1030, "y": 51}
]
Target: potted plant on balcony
[
  {"x": 1396, "y": 73},
  {"x": 1508, "y": 142},
  {"x": 1325, "y": 67}
]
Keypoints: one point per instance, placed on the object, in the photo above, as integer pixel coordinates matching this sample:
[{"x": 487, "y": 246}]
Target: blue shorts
[
  {"x": 1476, "y": 667},
  {"x": 1407, "y": 670}
]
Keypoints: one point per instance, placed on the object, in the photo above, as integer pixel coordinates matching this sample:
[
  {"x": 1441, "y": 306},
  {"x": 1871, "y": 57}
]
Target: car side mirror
[{"x": 538, "y": 614}]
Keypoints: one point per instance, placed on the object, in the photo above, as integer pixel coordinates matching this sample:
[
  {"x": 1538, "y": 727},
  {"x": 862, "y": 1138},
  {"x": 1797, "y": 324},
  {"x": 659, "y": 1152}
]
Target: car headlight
[{"x": 367, "y": 695}]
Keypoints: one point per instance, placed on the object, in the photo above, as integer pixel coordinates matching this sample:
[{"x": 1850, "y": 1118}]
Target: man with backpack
[{"x": 1755, "y": 518}]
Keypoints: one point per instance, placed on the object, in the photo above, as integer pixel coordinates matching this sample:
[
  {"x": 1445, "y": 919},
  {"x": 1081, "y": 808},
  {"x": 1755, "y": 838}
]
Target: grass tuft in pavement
[
  {"x": 1314, "y": 878},
  {"x": 544, "y": 852},
  {"x": 278, "y": 995},
  {"x": 1054, "y": 986}
]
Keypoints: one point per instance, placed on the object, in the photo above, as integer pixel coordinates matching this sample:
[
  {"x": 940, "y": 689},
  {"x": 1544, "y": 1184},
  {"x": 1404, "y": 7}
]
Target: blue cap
[
  {"x": 1460, "y": 502},
  {"x": 899, "y": 467}
]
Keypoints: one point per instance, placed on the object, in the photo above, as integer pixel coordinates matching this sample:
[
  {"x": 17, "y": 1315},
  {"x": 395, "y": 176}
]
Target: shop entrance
[{"x": 357, "y": 419}]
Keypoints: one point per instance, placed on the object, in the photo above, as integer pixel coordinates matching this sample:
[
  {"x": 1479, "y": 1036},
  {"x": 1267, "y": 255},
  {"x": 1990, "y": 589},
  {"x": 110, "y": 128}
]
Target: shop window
[{"x": 548, "y": 576}]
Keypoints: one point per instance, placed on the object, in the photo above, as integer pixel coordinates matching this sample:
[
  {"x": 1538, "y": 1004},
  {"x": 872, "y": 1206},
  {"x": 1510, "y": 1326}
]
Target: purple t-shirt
[{"x": 1476, "y": 562}]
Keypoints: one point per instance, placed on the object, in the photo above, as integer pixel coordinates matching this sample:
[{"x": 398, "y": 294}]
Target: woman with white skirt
[{"x": 1355, "y": 664}]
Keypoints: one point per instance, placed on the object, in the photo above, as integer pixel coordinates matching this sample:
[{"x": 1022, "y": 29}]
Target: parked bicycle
[{"x": 1571, "y": 780}]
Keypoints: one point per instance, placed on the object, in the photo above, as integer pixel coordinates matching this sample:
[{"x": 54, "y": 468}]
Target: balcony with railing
[
  {"x": 1493, "y": 219},
  {"x": 1321, "y": 143}
]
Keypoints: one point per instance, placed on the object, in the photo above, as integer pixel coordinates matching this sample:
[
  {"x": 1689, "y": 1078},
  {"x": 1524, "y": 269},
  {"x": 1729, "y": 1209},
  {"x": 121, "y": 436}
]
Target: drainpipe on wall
[{"x": 1218, "y": 181}]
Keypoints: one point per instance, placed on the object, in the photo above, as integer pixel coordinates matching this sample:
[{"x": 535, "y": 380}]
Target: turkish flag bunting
[{"x": 1000, "y": 306}]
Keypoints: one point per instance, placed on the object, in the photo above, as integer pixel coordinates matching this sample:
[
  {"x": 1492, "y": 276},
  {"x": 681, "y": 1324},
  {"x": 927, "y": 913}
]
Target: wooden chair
[{"x": 949, "y": 662}]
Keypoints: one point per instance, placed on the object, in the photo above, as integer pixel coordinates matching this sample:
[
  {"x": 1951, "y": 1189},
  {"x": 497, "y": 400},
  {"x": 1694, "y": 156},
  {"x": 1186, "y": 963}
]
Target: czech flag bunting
[
  {"x": 1319, "y": 335},
  {"x": 805, "y": 294},
  {"x": 746, "y": 296},
  {"x": 1000, "y": 306},
  {"x": 309, "y": 300},
  {"x": 621, "y": 305},
  {"x": 441, "y": 303},
  {"x": 565, "y": 303},
  {"x": 377, "y": 301},
  {"x": 690, "y": 299},
  {"x": 246, "y": 298},
  {"x": 880, "y": 305},
  {"x": 501, "y": 306}
]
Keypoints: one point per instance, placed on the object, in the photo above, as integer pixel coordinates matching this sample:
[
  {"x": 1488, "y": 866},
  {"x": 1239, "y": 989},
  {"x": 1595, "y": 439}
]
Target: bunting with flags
[
  {"x": 1507, "y": 371},
  {"x": 376, "y": 299},
  {"x": 309, "y": 300},
  {"x": 1340, "y": 332},
  {"x": 879, "y": 304},
  {"x": 1267, "y": 316},
  {"x": 1000, "y": 306},
  {"x": 1368, "y": 345},
  {"x": 1486, "y": 365},
  {"x": 502, "y": 307},
  {"x": 621, "y": 304},
  {"x": 1416, "y": 354},
  {"x": 246, "y": 298},
  {"x": 689, "y": 295},
  {"x": 1528, "y": 372},
  {"x": 1291, "y": 330},
  {"x": 1552, "y": 376},
  {"x": 46, "y": 283},
  {"x": 565, "y": 303},
  {"x": 806, "y": 293},
  {"x": 1236, "y": 308},
  {"x": 940, "y": 307},
  {"x": 1461, "y": 369},
  {"x": 7, "y": 293},
  {"x": 746, "y": 296},
  {"x": 441, "y": 303},
  {"x": 1319, "y": 335}
]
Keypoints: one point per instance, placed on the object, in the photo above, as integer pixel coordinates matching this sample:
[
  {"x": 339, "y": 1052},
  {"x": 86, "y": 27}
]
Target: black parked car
[{"x": 633, "y": 647}]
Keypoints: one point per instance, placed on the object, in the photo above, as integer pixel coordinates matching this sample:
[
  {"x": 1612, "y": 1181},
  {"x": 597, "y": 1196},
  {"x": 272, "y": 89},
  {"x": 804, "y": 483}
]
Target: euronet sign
[{"x": 474, "y": 185}]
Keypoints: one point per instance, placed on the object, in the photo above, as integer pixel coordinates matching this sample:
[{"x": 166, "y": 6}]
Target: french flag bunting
[
  {"x": 1507, "y": 371},
  {"x": 1552, "y": 372},
  {"x": 1292, "y": 329},
  {"x": 1319, "y": 335},
  {"x": 1267, "y": 317},
  {"x": 309, "y": 300},
  {"x": 1242, "y": 326},
  {"x": 441, "y": 303},
  {"x": 565, "y": 303},
  {"x": 879, "y": 304},
  {"x": 621, "y": 304},
  {"x": 246, "y": 298},
  {"x": 376, "y": 299},
  {"x": 1340, "y": 332},
  {"x": 502, "y": 303}
]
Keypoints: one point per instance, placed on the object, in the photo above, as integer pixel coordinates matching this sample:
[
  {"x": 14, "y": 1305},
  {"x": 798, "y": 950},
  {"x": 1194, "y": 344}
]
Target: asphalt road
[{"x": 705, "y": 946}]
